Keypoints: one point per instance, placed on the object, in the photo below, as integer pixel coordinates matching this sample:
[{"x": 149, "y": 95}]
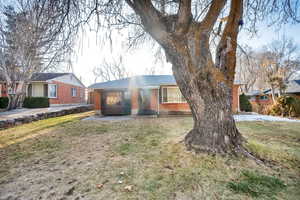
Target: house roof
[
  {"x": 46, "y": 76},
  {"x": 254, "y": 93},
  {"x": 293, "y": 86},
  {"x": 41, "y": 76},
  {"x": 144, "y": 81},
  {"x": 137, "y": 82}
]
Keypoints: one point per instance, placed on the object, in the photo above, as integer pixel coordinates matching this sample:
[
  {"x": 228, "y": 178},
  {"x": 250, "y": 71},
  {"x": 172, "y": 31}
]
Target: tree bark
[
  {"x": 273, "y": 94},
  {"x": 210, "y": 100},
  {"x": 15, "y": 100}
]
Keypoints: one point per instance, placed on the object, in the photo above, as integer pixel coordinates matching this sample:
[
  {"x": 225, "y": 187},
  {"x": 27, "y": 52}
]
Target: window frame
[
  {"x": 49, "y": 91},
  {"x": 72, "y": 94},
  {"x": 263, "y": 98},
  {"x": 167, "y": 102},
  {"x": 118, "y": 95}
]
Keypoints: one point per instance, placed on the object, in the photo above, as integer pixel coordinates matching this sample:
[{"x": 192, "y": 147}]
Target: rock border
[{"x": 4, "y": 124}]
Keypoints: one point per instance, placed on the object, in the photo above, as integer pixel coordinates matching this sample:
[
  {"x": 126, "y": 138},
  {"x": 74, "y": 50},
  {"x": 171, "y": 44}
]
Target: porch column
[
  {"x": 134, "y": 101},
  {"x": 97, "y": 101}
]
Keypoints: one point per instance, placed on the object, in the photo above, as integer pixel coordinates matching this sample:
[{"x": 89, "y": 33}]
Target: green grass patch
[
  {"x": 47, "y": 145},
  {"x": 286, "y": 155},
  {"x": 84, "y": 128},
  {"x": 19, "y": 154},
  {"x": 257, "y": 185},
  {"x": 127, "y": 148}
]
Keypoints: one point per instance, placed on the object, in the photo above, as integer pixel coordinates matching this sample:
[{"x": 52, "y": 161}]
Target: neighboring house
[
  {"x": 265, "y": 97},
  {"x": 149, "y": 94},
  {"x": 60, "y": 88},
  {"x": 257, "y": 97}
]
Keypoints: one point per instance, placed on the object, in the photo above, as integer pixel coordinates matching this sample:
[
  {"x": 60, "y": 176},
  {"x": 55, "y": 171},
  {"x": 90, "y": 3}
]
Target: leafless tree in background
[
  {"x": 184, "y": 29},
  {"x": 33, "y": 38},
  {"x": 278, "y": 62},
  {"x": 248, "y": 70},
  {"x": 109, "y": 71}
]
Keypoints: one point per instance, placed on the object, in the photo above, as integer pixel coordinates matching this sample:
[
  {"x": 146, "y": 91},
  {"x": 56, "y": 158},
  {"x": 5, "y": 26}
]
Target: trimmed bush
[
  {"x": 36, "y": 102},
  {"x": 245, "y": 104},
  {"x": 285, "y": 106},
  {"x": 3, "y": 102}
]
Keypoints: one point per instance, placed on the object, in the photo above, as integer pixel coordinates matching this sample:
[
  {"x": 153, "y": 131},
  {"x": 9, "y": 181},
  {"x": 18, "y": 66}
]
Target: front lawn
[{"x": 66, "y": 158}]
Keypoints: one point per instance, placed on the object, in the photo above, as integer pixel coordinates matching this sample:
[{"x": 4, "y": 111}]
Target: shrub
[
  {"x": 3, "y": 102},
  {"x": 285, "y": 106},
  {"x": 36, "y": 102},
  {"x": 245, "y": 104}
]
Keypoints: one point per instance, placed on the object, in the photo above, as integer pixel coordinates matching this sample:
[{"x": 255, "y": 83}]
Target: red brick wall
[
  {"x": 297, "y": 95},
  {"x": 64, "y": 95},
  {"x": 174, "y": 107},
  {"x": 235, "y": 98},
  {"x": 134, "y": 101},
  {"x": 3, "y": 90},
  {"x": 166, "y": 107},
  {"x": 154, "y": 99},
  {"x": 97, "y": 99},
  {"x": 257, "y": 101}
]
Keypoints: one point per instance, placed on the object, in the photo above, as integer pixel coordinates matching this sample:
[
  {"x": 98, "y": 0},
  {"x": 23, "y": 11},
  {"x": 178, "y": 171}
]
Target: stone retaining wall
[{"x": 39, "y": 116}]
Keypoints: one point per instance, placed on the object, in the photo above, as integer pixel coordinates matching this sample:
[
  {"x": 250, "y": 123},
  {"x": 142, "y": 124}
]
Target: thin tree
[
  {"x": 112, "y": 70},
  {"x": 248, "y": 71},
  {"x": 279, "y": 60},
  {"x": 32, "y": 40}
]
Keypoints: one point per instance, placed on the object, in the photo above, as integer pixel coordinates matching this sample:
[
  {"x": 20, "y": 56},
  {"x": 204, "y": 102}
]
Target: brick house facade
[
  {"x": 262, "y": 99},
  {"x": 155, "y": 94},
  {"x": 60, "y": 88}
]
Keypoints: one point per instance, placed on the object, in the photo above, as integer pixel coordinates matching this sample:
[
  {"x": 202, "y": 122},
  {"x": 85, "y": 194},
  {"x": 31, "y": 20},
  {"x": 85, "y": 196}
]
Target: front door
[
  {"x": 113, "y": 103},
  {"x": 145, "y": 102}
]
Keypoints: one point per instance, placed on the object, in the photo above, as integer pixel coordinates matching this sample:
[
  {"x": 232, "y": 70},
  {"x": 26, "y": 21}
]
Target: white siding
[{"x": 68, "y": 79}]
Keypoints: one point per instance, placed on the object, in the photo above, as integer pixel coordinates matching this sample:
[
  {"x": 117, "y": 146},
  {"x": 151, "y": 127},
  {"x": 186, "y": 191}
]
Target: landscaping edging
[{"x": 4, "y": 124}]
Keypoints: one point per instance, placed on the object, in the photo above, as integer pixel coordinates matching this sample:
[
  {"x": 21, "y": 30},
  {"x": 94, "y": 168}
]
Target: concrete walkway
[
  {"x": 238, "y": 118},
  {"x": 25, "y": 112},
  {"x": 109, "y": 118},
  {"x": 258, "y": 117}
]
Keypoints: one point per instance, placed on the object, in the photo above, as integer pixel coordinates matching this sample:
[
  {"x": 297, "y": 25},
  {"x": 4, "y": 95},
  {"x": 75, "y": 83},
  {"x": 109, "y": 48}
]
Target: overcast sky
[{"x": 91, "y": 53}]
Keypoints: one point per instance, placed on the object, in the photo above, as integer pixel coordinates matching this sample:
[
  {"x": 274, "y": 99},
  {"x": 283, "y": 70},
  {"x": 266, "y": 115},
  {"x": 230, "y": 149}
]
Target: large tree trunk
[
  {"x": 205, "y": 83},
  {"x": 214, "y": 128},
  {"x": 210, "y": 100}
]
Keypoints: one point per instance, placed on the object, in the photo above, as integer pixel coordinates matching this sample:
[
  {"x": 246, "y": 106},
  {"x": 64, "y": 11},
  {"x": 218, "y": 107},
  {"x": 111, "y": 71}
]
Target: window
[
  {"x": 263, "y": 97},
  {"x": 113, "y": 98},
  {"x": 73, "y": 92},
  {"x": 172, "y": 95},
  {"x": 52, "y": 91}
]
